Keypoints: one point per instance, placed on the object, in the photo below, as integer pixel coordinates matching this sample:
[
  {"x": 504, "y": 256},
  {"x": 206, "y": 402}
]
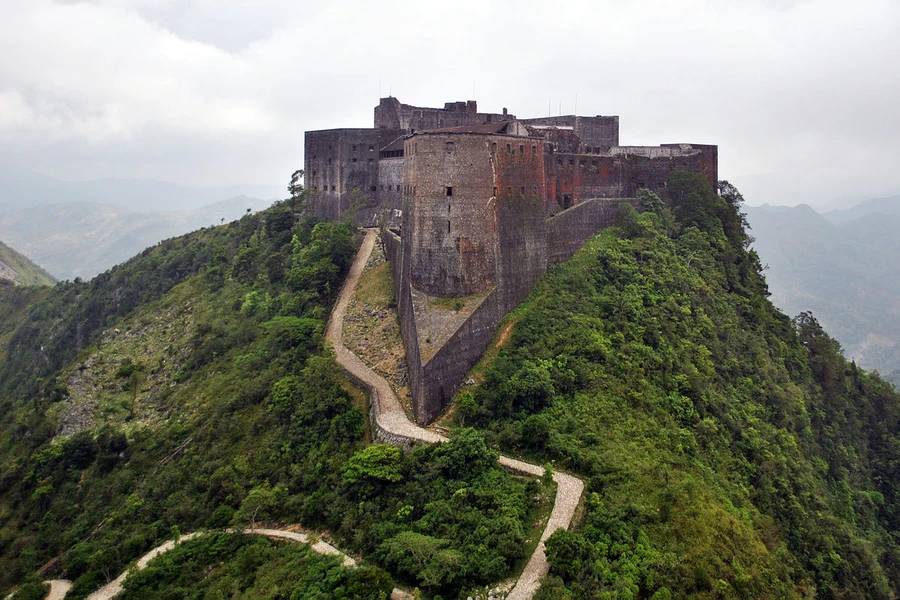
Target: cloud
[{"x": 201, "y": 91}]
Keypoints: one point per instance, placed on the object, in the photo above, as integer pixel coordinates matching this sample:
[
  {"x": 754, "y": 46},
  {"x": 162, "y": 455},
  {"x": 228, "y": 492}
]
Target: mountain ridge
[
  {"x": 841, "y": 268},
  {"x": 19, "y": 269},
  {"x": 83, "y": 239},
  {"x": 21, "y": 189}
]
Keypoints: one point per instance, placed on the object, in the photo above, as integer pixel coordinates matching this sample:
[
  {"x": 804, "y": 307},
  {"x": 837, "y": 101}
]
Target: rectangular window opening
[{"x": 449, "y": 190}]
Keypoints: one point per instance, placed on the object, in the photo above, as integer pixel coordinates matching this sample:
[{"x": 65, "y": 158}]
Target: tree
[
  {"x": 295, "y": 188},
  {"x": 261, "y": 503},
  {"x": 379, "y": 462}
]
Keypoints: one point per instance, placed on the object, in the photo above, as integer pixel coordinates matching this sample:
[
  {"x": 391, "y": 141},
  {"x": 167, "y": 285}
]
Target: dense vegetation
[
  {"x": 193, "y": 392},
  {"x": 729, "y": 452},
  {"x": 250, "y": 567}
]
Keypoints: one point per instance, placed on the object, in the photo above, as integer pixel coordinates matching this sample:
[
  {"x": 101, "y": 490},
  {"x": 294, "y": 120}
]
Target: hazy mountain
[
  {"x": 843, "y": 267},
  {"x": 882, "y": 206},
  {"x": 17, "y": 268},
  {"x": 77, "y": 239},
  {"x": 21, "y": 189}
]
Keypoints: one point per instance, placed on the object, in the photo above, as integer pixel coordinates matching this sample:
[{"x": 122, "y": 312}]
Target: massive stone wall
[
  {"x": 624, "y": 170},
  {"x": 396, "y": 252}
]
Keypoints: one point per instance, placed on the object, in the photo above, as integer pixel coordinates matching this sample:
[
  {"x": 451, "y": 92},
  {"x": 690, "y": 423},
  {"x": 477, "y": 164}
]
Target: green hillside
[
  {"x": 21, "y": 271},
  {"x": 730, "y": 452},
  {"x": 188, "y": 389}
]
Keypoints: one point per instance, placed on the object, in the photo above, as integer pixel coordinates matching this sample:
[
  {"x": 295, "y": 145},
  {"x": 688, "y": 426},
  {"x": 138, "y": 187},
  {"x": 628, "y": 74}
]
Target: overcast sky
[{"x": 800, "y": 95}]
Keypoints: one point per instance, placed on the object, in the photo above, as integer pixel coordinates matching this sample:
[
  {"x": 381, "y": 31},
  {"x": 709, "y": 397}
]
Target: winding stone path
[
  {"x": 114, "y": 587},
  {"x": 320, "y": 546},
  {"x": 393, "y": 424},
  {"x": 60, "y": 587}
]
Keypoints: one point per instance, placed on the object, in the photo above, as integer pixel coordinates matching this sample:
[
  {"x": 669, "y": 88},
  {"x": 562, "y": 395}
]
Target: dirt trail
[{"x": 389, "y": 415}]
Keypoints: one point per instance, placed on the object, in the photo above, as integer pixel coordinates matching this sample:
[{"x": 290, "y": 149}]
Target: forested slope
[
  {"x": 189, "y": 389},
  {"x": 730, "y": 451}
]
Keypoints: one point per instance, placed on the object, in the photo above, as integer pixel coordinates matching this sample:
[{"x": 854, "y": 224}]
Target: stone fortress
[{"x": 477, "y": 205}]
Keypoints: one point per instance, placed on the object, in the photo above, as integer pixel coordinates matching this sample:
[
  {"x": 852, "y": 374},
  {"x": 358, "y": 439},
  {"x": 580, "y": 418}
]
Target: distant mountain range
[
  {"x": 79, "y": 229},
  {"x": 78, "y": 239},
  {"x": 843, "y": 267},
  {"x": 20, "y": 189},
  {"x": 17, "y": 268}
]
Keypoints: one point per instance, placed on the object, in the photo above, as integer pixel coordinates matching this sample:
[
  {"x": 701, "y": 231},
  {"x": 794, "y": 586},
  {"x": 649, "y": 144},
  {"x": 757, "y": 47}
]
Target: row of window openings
[
  {"x": 371, "y": 188},
  {"x": 371, "y": 149},
  {"x": 448, "y": 190},
  {"x": 581, "y": 163},
  {"x": 371, "y": 160},
  {"x": 509, "y": 149},
  {"x": 450, "y": 146}
]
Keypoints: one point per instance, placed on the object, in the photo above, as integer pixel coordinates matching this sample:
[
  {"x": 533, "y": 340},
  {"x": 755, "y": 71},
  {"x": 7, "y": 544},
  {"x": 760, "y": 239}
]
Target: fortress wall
[
  {"x": 449, "y": 214},
  {"x": 342, "y": 170},
  {"x": 570, "y": 229},
  {"x": 444, "y": 374},
  {"x": 572, "y": 177},
  {"x": 396, "y": 254},
  {"x": 707, "y": 163}
]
